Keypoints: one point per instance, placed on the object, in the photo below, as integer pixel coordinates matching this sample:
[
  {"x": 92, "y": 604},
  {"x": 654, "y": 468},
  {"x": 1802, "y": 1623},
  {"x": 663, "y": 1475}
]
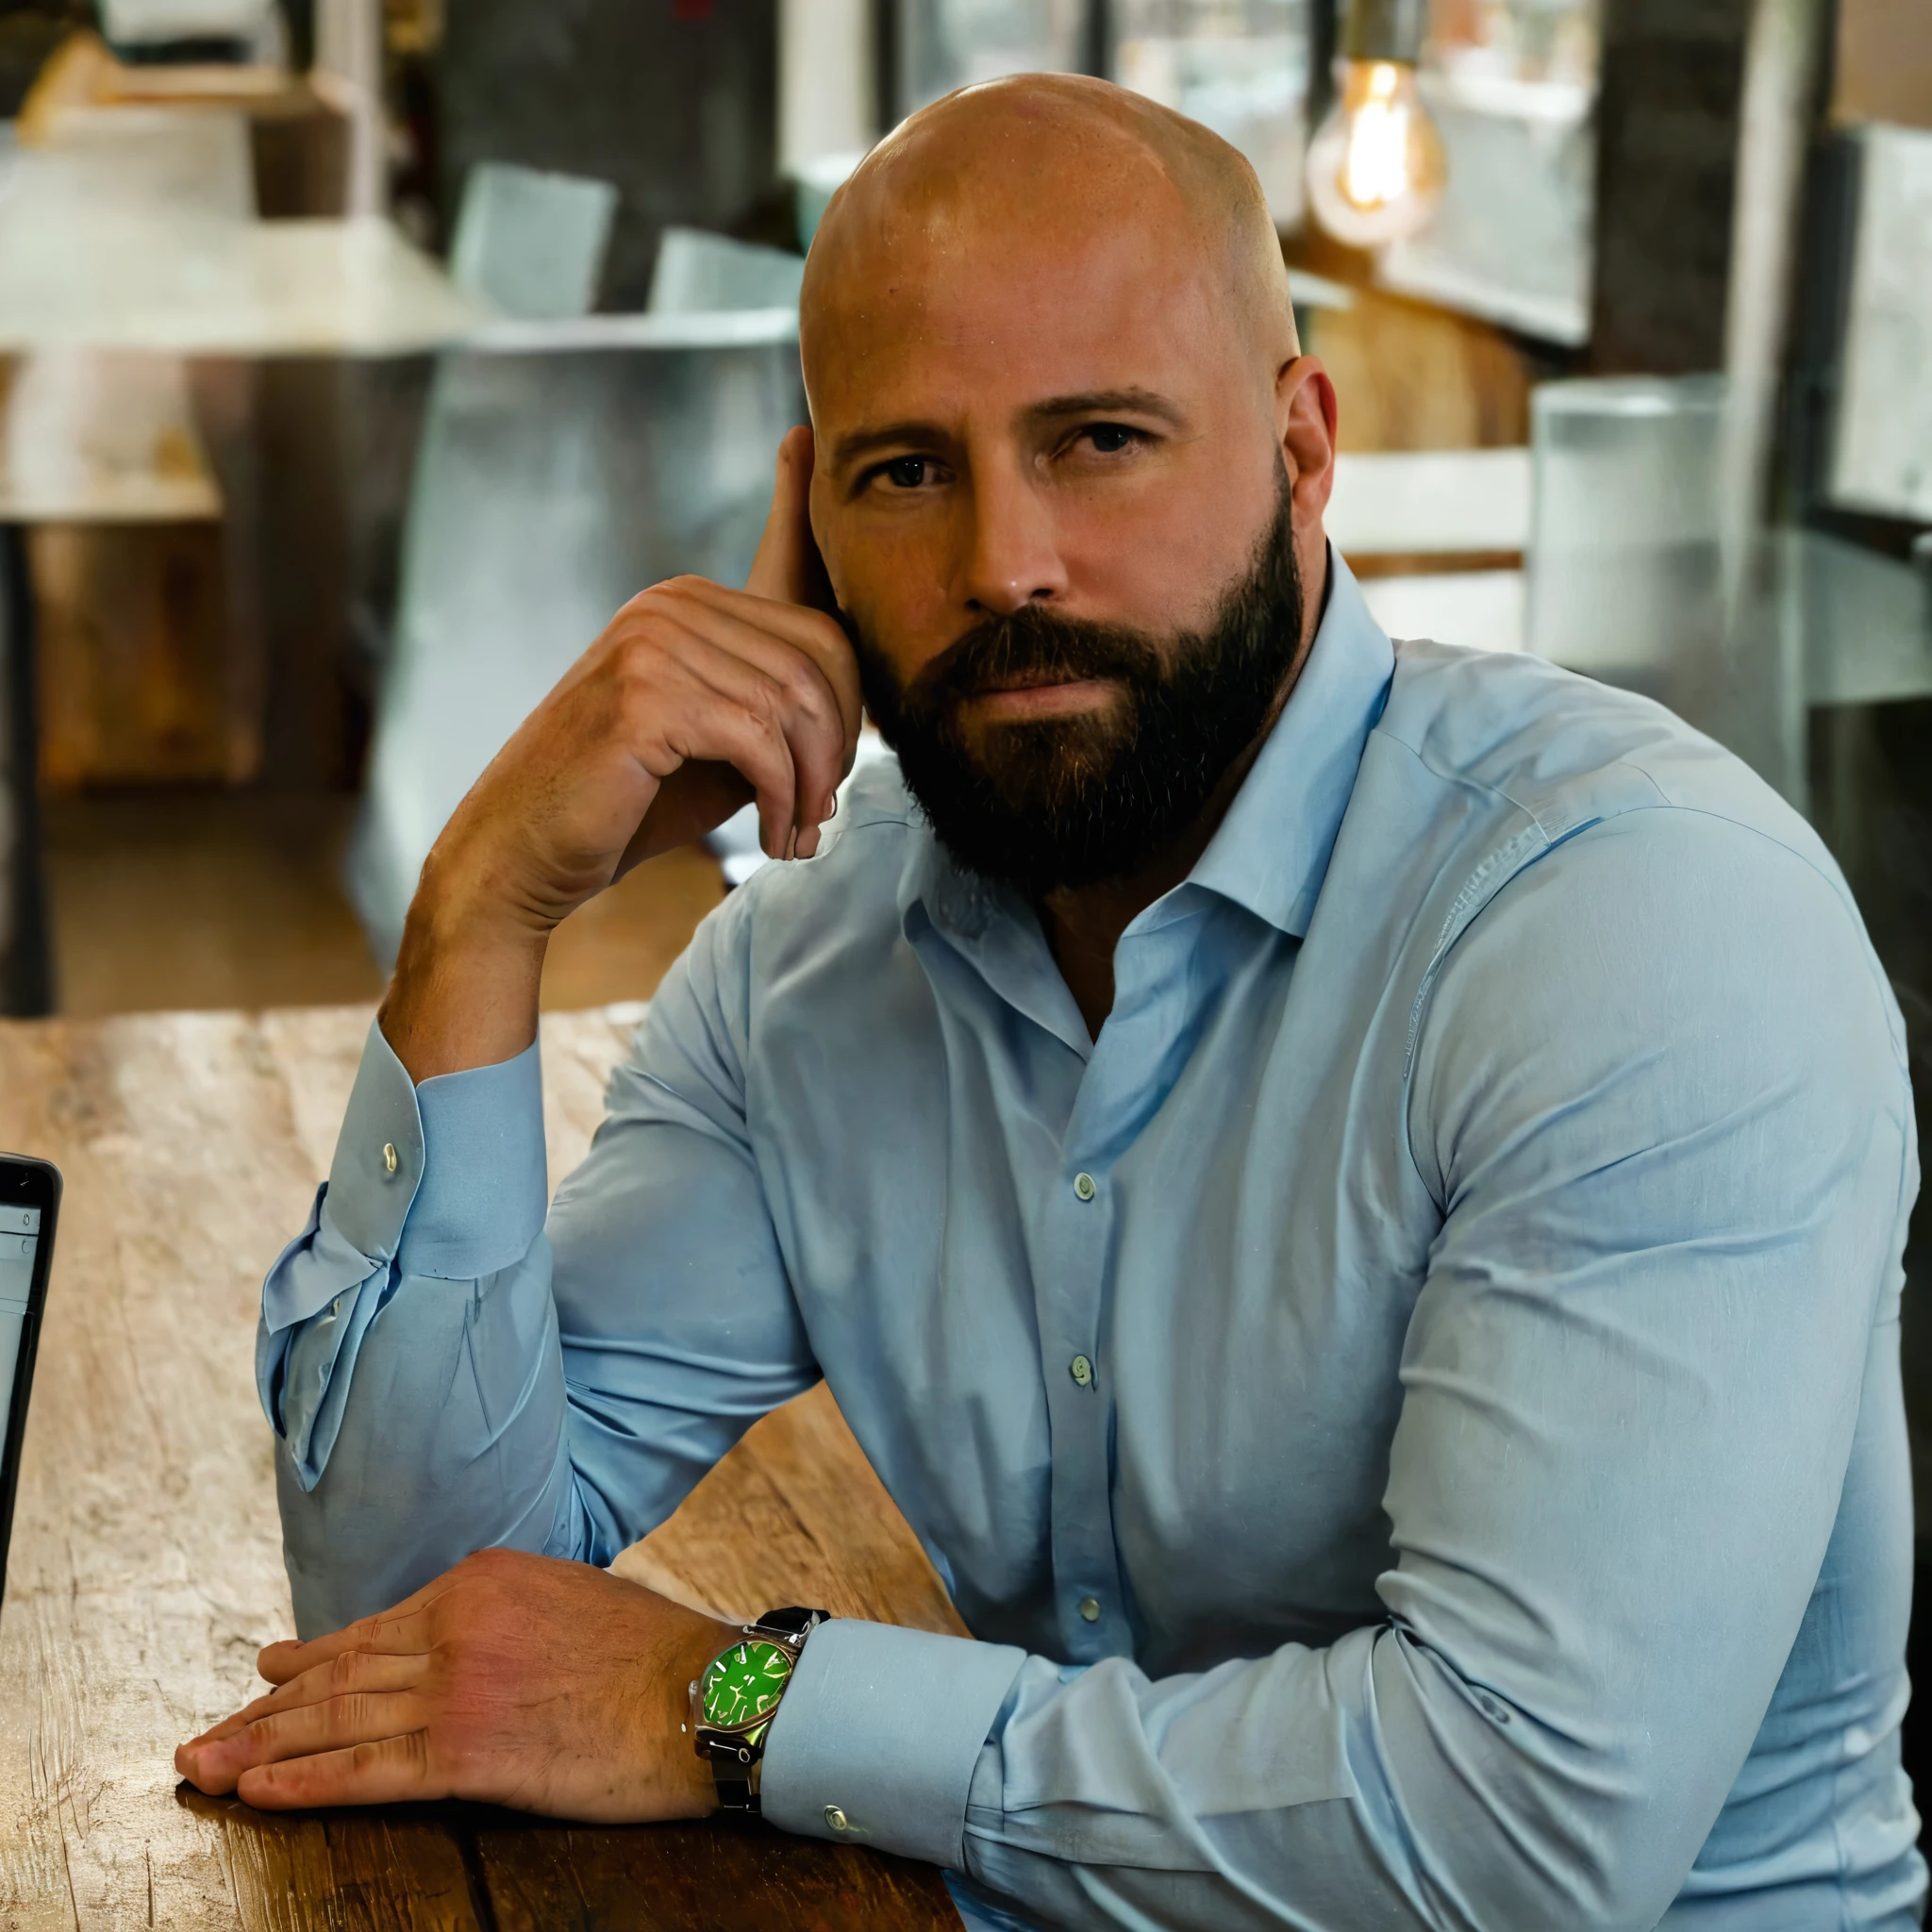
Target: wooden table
[{"x": 146, "y": 1564}]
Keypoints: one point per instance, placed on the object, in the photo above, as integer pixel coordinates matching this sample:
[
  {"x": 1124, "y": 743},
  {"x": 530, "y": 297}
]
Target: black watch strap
[
  {"x": 732, "y": 1765},
  {"x": 791, "y": 1622}
]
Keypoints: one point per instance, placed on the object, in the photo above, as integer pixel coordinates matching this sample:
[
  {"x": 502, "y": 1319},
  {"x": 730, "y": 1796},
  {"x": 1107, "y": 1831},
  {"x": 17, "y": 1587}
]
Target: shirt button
[
  {"x": 836, "y": 1820},
  {"x": 1081, "y": 1369},
  {"x": 1083, "y": 1186},
  {"x": 388, "y": 1156},
  {"x": 1089, "y": 1608}
]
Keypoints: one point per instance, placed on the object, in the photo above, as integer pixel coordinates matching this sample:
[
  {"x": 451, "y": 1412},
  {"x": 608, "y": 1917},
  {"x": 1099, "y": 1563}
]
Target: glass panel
[
  {"x": 1625, "y": 562},
  {"x": 1529, "y": 41}
]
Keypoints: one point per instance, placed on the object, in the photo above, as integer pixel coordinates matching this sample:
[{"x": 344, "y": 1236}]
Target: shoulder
[
  {"x": 1659, "y": 973},
  {"x": 1568, "y": 752},
  {"x": 800, "y": 925},
  {"x": 1517, "y": 758},
  {"x": 1639, "y": 892}
]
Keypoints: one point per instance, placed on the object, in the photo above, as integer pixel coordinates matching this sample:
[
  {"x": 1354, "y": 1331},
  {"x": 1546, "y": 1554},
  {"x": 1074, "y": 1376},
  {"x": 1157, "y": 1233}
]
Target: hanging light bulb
[{"x": 1376, "y": 168}]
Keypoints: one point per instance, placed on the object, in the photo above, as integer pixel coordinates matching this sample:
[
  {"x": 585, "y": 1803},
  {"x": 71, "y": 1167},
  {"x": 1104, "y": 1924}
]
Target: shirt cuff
[
  {"x": 883, "y": 1727},
  {"x": 484, "y": 1181},
  {"x": 378, "y": 1158}
]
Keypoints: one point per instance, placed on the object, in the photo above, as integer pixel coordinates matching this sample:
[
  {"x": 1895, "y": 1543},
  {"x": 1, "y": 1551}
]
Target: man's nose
[{"x": 1013, "y": 558}]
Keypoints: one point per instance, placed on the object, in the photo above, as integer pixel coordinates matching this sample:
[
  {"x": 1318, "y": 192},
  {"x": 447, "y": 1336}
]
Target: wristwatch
[{"x": 732, "y": 1705}]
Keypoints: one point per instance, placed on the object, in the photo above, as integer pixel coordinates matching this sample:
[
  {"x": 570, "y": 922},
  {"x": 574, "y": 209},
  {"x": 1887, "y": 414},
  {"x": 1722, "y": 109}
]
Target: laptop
[{"x": 29, "y": 1204}]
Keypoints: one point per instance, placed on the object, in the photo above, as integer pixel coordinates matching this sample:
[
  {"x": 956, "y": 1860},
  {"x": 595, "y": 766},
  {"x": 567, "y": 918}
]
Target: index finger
[{"x": 787, "y": 566}]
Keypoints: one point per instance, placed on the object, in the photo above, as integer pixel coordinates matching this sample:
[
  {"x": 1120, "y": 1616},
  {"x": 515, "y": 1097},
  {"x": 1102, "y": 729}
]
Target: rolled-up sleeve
[
  {"x": 476, "y": 1208},
  {"x": 445, "y": 1370}
]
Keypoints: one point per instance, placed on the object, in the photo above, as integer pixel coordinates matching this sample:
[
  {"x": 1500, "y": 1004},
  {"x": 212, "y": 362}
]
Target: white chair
[
  {"x": 532, "y": 243},
  {"x": 699, "y": 272}
]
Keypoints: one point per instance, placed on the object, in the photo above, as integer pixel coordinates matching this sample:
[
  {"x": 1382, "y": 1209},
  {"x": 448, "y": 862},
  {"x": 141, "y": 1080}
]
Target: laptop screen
[{"x": 20, "y": 1242}]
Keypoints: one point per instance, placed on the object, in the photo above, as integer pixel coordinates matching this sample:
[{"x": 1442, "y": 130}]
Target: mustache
[{"x": 1031, "y": 646}]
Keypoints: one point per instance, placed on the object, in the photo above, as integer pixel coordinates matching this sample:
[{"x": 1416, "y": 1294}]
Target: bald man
[{"x": 1353, "y": 1193}]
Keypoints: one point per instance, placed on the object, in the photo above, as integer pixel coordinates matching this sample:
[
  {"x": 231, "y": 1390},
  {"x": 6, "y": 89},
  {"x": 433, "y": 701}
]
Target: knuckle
[
  {"x": 764, "y": 705},
  {"x": 637, "y": 659},
  {"x": 804, "y": 684}
]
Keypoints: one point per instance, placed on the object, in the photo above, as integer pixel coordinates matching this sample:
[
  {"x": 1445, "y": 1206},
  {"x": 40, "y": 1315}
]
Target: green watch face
[{"x": 743, "y": 1684}]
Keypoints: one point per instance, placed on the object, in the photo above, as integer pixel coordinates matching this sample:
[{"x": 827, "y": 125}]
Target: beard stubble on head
[{"x": 1064, "y": 801}]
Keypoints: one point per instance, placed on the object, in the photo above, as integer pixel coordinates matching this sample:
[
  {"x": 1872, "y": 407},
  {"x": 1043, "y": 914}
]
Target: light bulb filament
[{"x": 1376, "y": 169}]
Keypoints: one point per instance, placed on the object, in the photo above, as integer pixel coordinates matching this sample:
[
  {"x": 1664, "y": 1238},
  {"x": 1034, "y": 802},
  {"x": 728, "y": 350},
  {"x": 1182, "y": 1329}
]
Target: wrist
[
  {"x": 469, "y": 900},
  {"x": 467, "y": 977},
  {"x": 695, "y": 1788}
]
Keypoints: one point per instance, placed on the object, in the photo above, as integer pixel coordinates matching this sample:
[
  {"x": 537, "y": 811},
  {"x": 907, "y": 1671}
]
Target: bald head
[{"x": 1041, "y": 165}]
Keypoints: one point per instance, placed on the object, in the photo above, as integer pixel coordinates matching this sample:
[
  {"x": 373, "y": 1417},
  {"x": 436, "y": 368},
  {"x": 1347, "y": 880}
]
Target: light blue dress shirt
[{"x": 1410, "y": 1414}]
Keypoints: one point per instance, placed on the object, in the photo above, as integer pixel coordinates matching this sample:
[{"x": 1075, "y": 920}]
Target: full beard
[{"x": 1051, "y": 803}]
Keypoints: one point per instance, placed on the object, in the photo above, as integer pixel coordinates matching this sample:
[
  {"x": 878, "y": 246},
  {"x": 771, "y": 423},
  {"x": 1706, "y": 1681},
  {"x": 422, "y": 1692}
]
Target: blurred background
[{"x": 359, "y": 358}]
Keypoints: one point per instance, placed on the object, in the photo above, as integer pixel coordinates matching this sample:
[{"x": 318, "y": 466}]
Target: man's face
[
  {"x": 1071, "y": 797},
  {"x": 1051, "y": 498}
]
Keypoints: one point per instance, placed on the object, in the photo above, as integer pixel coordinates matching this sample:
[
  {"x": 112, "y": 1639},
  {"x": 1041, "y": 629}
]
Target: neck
[{"x": 1083, "y": 924}]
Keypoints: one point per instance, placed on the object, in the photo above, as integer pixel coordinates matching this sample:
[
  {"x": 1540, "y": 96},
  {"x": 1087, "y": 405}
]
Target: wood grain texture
[
  {"x": 146, "y": 1568},
  {"x": 726, "y": 1878}
]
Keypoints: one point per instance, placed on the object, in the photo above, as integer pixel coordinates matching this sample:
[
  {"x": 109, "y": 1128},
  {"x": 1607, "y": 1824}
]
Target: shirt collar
[{"x": 1271, "y": 852}]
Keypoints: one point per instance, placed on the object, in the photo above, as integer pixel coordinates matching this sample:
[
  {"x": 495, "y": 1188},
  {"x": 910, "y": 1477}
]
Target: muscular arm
[
  {"x": 427, "y": 1400},
  {"x": 695, "y": 700},
  {"x": 1650, "y": 1400}
]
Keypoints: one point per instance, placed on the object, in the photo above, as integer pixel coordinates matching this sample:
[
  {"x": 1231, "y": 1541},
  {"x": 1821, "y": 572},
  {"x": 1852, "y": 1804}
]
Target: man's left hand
[{"x": 519, "y": 1680}]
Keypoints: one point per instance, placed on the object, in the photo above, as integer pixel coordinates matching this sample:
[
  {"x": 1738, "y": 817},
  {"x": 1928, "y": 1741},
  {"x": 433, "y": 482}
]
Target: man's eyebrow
[
  {"x": 1106, "y": 402},
  {"x": 859, "y": 443},
  {"x": 850, "y": 447}
]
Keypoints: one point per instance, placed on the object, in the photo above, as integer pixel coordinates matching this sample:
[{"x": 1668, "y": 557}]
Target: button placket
[
  {"x": 1113, "y": 1102},
  {"x": 1079, "y": 1216}
]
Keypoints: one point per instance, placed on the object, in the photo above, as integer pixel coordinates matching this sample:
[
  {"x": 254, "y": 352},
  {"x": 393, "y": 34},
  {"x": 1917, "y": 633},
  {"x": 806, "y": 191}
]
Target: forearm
[{"x": 419, "y": 1330}]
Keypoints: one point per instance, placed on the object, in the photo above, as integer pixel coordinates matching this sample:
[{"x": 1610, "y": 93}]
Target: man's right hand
[{"x": 697, "y": 700}]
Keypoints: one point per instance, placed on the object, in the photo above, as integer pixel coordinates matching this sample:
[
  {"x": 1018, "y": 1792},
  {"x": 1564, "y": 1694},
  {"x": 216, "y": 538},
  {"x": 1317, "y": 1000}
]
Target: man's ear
[{"x": 1305, "y": 425}]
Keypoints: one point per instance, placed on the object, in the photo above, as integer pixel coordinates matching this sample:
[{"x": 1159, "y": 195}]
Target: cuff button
[
  {"x": 836, "y": 1820},
  {"x": 388, "y": 1156}
]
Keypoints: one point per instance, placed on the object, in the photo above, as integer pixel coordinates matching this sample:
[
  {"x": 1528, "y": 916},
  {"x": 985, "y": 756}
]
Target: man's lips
[{"x": 1042, "y": 697}]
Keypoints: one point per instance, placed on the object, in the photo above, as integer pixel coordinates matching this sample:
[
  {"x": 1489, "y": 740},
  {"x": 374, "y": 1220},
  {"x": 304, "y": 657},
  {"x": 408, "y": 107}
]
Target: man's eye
[
  {"x": 906, "y": 473},
  {"x": 1109, "y": 438}
]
